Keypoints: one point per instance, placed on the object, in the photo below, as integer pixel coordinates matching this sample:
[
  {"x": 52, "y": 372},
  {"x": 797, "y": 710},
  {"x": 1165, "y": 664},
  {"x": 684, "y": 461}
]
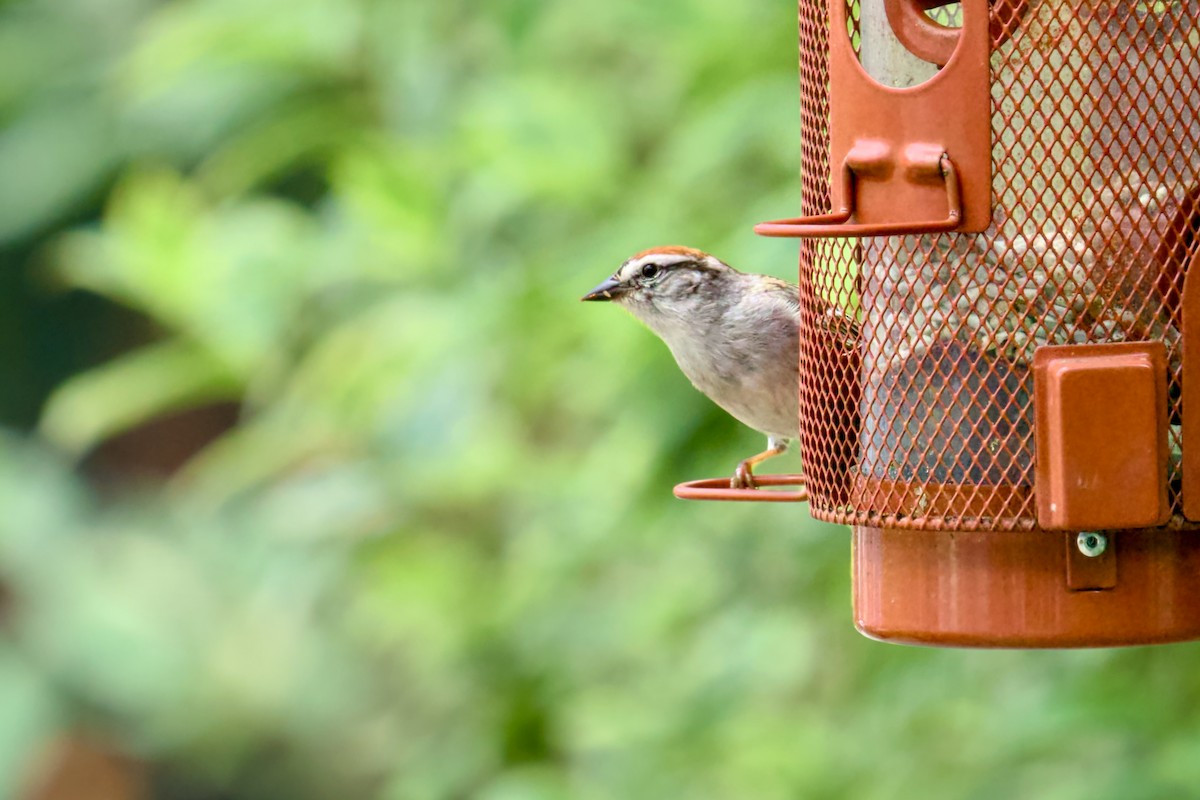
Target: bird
[{"x": 735, "y": 335}]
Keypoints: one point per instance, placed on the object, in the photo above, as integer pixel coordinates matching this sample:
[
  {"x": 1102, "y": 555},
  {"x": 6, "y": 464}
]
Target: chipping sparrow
[{"x": 734, "y": 335}]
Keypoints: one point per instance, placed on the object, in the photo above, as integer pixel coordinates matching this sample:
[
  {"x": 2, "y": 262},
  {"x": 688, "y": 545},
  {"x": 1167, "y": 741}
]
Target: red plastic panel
[{"x": 1101, "y": 420}]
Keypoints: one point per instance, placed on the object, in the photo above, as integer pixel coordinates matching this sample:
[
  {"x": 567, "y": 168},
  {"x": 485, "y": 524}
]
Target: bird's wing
[
  {"x": 841, "y": 329},
  {"x": 787, "y": 292}
]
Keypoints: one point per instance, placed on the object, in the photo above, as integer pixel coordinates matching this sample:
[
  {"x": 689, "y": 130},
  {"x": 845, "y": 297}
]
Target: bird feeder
[{"x": 1006, "y": 195}]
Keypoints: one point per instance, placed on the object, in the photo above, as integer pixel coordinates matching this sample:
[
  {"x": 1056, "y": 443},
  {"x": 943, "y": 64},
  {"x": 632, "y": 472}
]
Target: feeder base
[{"x": 1026, "y": 588}]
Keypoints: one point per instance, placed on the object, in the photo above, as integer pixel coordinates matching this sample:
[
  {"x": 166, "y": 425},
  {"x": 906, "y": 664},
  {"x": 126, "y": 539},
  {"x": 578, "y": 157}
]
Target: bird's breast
[{"x": 757, "y": 385}]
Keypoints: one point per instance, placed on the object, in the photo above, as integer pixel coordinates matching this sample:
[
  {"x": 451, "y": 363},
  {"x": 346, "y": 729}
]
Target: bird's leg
[{"x": 743, "y": 476}]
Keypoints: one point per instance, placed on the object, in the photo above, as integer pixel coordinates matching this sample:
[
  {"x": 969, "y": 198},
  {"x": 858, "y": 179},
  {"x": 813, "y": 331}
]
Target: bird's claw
[{"x": 743, "y": 478}]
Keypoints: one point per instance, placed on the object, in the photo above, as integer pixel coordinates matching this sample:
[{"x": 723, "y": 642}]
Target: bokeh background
[{"x": 316, "y": 480}]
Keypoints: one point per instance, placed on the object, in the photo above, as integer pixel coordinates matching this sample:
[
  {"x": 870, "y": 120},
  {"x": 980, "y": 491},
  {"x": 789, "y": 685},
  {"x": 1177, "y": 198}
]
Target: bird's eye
[{"x": 649, "y": 270}]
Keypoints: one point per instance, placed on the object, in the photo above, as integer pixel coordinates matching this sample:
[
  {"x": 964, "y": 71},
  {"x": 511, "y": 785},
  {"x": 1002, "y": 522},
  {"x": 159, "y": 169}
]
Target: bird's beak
[{"x": 611, "y": 289}]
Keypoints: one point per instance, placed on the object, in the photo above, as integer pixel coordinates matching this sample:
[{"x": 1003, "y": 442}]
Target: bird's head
[{"x": 665, "y": 281}]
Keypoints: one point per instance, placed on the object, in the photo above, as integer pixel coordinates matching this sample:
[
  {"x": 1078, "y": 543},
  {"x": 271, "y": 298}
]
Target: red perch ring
[{"x": 718, "y": 489}]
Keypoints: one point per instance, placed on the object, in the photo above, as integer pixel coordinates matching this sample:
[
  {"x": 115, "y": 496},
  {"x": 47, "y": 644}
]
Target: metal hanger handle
[{"x": 837, "y": 224}]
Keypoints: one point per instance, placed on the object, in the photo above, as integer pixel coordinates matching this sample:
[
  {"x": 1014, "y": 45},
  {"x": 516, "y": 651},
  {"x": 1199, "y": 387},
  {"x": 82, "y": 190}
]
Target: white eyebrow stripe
[{"x": 633, "y": 266}]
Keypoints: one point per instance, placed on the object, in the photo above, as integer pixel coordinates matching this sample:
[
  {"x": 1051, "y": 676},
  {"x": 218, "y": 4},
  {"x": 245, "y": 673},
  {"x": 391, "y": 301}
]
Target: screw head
[{"x": 1091, "y": 543}]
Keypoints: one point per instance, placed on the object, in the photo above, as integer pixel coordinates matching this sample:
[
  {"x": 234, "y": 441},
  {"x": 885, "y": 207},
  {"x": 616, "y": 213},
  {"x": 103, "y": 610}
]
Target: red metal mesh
[{"x": 926, "y": 421}]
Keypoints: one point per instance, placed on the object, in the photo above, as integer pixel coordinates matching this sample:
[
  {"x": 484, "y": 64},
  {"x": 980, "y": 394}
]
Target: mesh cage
[{"x": 925, "y": 418}]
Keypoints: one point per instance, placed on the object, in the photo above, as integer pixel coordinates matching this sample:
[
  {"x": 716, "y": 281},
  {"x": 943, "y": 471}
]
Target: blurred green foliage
[{"x": 437, "y": 555}]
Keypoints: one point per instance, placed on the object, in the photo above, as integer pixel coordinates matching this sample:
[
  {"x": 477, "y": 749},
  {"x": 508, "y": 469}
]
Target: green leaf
[{"x": 132, "y": 389}]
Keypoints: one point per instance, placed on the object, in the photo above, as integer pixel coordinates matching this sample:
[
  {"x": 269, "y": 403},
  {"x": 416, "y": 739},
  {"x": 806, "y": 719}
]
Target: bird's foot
[{"x": 743, "y": 477}]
